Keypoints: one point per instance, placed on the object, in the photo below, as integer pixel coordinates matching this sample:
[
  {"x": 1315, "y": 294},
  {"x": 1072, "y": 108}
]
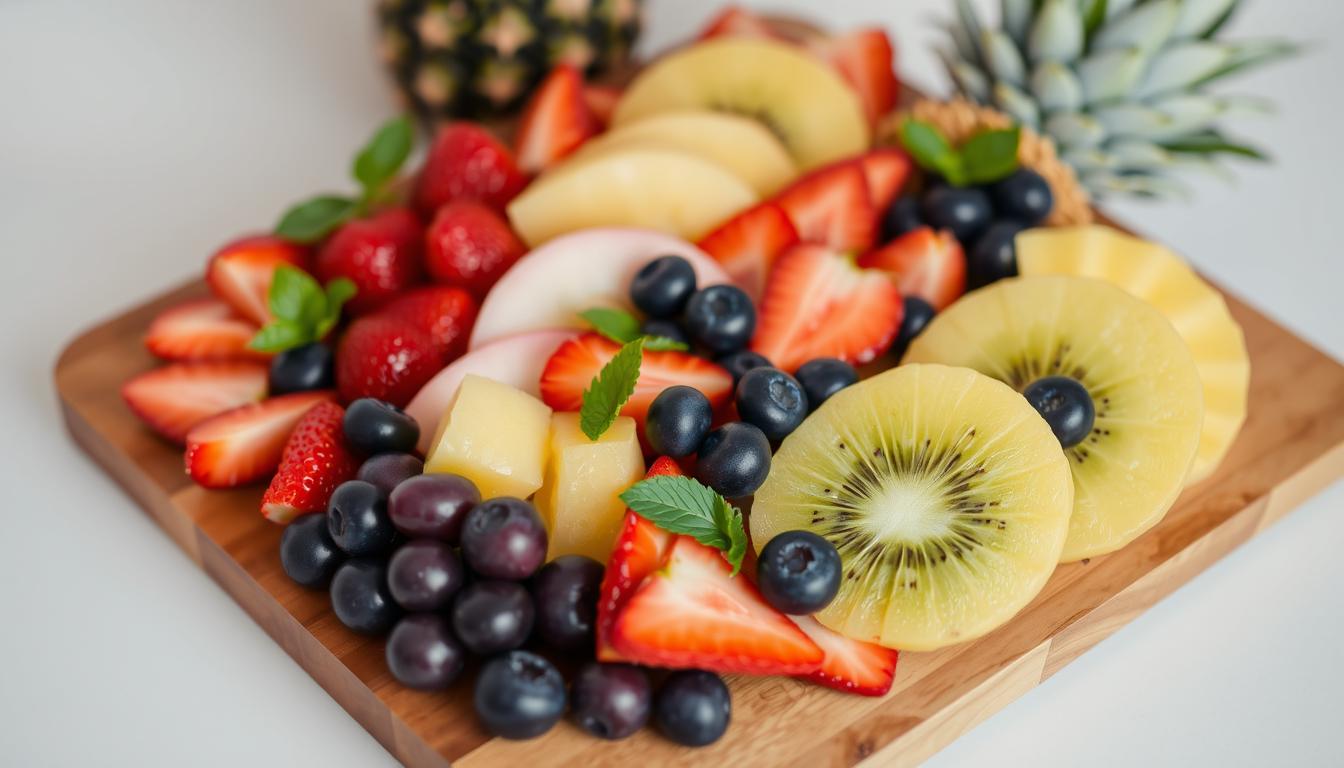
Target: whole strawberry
[
  {"x": 315, "y": 461},
  {"x": 466, "y": 162},
  {"x": 445, "y": 312},
  {"x": 471, "y": 245},
  {"x": 381, "y": 254},
  {"x": 385, "y": 357}
]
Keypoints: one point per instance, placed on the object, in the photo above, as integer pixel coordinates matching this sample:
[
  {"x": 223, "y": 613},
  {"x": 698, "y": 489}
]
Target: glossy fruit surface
[
  {"x": 823, "y": 377},
  {"x": 720, "y": 317},
  {"x": 445, "y": 312},
  {"x": 466, "y": 162},
  {"x": 798, "y": 572},
  {"x": 901, "y": 218},
  {"x": 693, "y": 707},
  {"x": 433, "y": 506},
  {"x": 307, "y": 553},
  {"x": 963, "y": 210},
  {"x": 240, "y": 273},
  {"x": 504, "y": 538},
  {"x": 386, "y": 357},
  {"x": 994, "y": 255},
  {"x": 667, "y": 329},
  {"x": 424, "y": 575},
  {"x": 422, "y": 653},
  {"x": 381, "y": 254},
  {"x": 493, "y": 616},
  {"x": 501, "y": 457},
  {"x": 565, "y": 592},
  {"x": 357, "y": 516},
  {"x": 519, "y": 695},
  {"x": 171, "y": 399},
  {"x": 301, "y": 369},
  {"x": 247, "y": 443},
  {"x": 373, "y": 426},
  {"x": 470, "y": 245},
  {"x": 360, "y": 597},
  {"x": 580, "y": 498},
  {"x": 315, "y": 461},
  {"x": 739, "y": 362},
  {"x": 678, "y": 420},
  {"x": 611, "y": 701},
  {"x": 734, "y": 459},
  {"x": 832, "y": 206},
  {"x": 556, "y": 121},
  {"x": 852, "y": 666},
  {"x": 662, "y": 287},
  {"x": 918, "y": 313},
  {"x": 772, "y": 400},
  {"x": 1022, "y": 196},
  {"x": 748, "y": 244},
  {"x": 1065, "y": 405},
  {"x": 202, "y": 330},
  {"x": 388, "y": 470},
  {"x": 923, "y": 262}
]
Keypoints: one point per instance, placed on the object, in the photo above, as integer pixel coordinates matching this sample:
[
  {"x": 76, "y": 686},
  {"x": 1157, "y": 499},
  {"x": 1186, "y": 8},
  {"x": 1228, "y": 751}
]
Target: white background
[{"x": 136, "y": 136}]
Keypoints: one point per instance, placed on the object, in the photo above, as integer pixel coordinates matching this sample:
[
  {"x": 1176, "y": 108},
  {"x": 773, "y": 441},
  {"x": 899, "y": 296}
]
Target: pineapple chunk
[
  {"x": 580, "y": 501},
  {"x": 495, "y": 436}
]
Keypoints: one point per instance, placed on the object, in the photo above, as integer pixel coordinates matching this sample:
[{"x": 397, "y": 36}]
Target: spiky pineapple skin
[{"x": 480, "y": 59}]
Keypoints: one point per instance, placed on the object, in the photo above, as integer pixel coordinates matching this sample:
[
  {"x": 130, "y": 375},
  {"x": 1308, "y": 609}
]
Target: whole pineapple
[
  {"x": 481, "y": 58},
  {"x": 1119, "y": 85}
]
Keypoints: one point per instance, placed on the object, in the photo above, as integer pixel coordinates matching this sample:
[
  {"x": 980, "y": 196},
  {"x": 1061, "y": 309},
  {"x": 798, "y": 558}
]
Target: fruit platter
[{"x": 741, "y": 407}]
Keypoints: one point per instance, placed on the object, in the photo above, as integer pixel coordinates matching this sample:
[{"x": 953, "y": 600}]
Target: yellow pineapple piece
[
  {"x": 580, "y": 500},
  {"x": 495, "y": 436}
]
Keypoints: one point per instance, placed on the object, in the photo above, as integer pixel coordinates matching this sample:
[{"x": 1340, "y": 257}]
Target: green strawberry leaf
[
  {"x": 682, "y": 505},
  {"x": 618, "y": 325},
  {"x": 314, "y": 219},
  {"x": 610, "y": 389},
  {"x": 380, "y": 159},
  {"x": 279, "y": 335},
  {"x": 990, "y": 155},
  {"x": 930, "y": 150}
]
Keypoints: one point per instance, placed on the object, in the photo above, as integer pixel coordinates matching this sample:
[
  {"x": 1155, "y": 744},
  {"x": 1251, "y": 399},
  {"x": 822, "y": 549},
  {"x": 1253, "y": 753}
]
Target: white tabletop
[{"x": 136, "y": 136}]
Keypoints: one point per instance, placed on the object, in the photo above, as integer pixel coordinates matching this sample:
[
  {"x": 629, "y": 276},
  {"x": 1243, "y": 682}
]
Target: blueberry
[
  {"x": 734, "y": 459},
  {"x": 301, "y": 369},
  {"x": 1066, "y": 406},
  {"x": 721, "y": 317},
  {"x": 493, "y": 616},
  {"x": 823, "y": 377},
  {"x": 422, "y": 653},
  {"x": 918, "y": 313},
  {"x": 307, "y": 553},
  {"x": 661, "y": 287},
  {"x": 388, "y": 470},
  {"x": 741, "y": 361},
  {"x": 798, "y": 572},
  {"x": 504, "y": 538},
  {"x": 994, "y": 255},
  {"x": 373, "y": 426},
  {"x": 611, "y": 701},
  {"x": 902, "y": 217},
  {"x": 565, "y": 592},
  {"x": 433, "y": 506},
  {"x": 772, "y": 400},
  {"x": 360, "y": 597},
  {"x": 693, "y": 707},
  {"x": 667, "y": 329},
  {"x": 963, "y": 210},
  {"x": 519, "y": 695},
  {"x": 678, "y": 421},
  {"x": 424, "y": 575},
  {"x": 1023, "y": 196},
  {"x": 357, "y": 519}
]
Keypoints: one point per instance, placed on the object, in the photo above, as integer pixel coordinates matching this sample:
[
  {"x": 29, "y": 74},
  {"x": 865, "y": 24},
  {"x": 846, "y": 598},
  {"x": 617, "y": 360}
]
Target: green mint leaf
[
  {"x": 616, "y": 324},
  {"x": 990, "y": 155},
  {"x": 933, "y": 153},
  {"x": 278, "y": 336},
  {"x": 314, "y": 219},
  {"x": 664, "y": 344},
  {"x": 295, "y": 296},
  {"x": 610, "y": 389},
  {"x": 384, "y": 155},
  {"x": 682, "y": 505},
  {"x": 338, "y": 292}
]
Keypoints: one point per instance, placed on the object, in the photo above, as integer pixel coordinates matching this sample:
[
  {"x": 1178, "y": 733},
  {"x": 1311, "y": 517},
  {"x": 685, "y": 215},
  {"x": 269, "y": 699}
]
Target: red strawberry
[
  {"x": 445, "y": 312},
  {"x": 572, "y": 367},
  {"x": 886, "y": 171},
  {"x": 830, "y": 206},
  {"x": 174, "y": 398},
  {"x": 314, "y": 462},
  {"x": 245, "y": 444},
  {"x": 747, "y": 244},
  {"x": 693, "y": 613},
  {"x": 852, "y": 666},
  {"x": 240, "y": 272},
  {"x": 556, "y": 121},
  {"x": 465, "y": 161},
  {"x": 471, "y": 245},
  {"x": 385, "y": 357},
  {"x": 381, "y": 254},
  {"x": 864, "y": 59},
  {"x": 202, "y": 330},
  {"x": 818, "y": 304},
  {"x": 601, "y": 101},
  {"x": 924, "y": 263},
  {"x": 737, "y": 22}
]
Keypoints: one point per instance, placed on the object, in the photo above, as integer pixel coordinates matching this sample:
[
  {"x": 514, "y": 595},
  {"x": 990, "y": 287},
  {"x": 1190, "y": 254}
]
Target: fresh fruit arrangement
[{"x": 615, "y": 409}]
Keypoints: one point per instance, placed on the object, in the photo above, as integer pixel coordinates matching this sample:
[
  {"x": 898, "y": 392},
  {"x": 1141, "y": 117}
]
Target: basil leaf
[
  {"x": 314, "y": 219},
  {"x": 990, "y": 155},
  {"x": 384, "y": 155}
]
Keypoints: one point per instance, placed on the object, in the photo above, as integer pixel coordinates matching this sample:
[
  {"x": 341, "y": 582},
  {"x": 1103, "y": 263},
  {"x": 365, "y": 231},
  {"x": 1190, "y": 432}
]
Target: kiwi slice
[
  {"x": 945, "y": 493},
  {"x": 1142, "y": 379}
]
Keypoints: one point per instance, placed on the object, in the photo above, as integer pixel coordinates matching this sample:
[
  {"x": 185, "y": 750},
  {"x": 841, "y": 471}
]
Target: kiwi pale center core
[{"x": 913, "y": 509}]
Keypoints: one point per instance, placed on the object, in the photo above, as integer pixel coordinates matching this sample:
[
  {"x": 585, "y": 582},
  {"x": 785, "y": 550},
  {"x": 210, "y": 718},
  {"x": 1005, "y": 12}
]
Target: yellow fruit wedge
[
  {"x": 581, "y": 497},
  {"x": 1197, "y": 311},
  {"x": 808, "y": 107},
  {"x": 502, "y": 456}
]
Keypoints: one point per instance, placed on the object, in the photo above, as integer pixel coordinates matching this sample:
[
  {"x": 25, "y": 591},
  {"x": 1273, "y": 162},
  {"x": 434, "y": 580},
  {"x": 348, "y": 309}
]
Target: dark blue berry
[
  {"x": 611, "y": 701},
  {"x": 388, "y": 470},
  {"x": 901, "y": 218},
  {"x": 798, "y": 572},
  {"x": 422, "y": 653},
  {"x": 357, "y": 519},
  {"x": 721, "y": 317},
  {"x": 678, "y": 421},
  {"x": 1023, "y": 196},
  {"x": 693, "y": 707},
  {"x": 425, "y": 574},
  {"x": 667, "y": 329},
  {"x": 307, "y": 553},
  {"x": 360, "y": 597},
  {"x": 1066, "y": 406},
  {"x": 662, "y": 287},
  {"x": 493, "y": 616},
  {"x": 565, "y": 592},
  {"x": 372, "y": 426},
  {"x": 741, "y": 361},
  {"x": 504, "y": 538},
  {"x": 301, "y": 369},
  {"x": 994, "y": 255},
  {"x": 519, "y": 695},
  {"x": 734, "y": 459},
  {"x": 918, "y": 313},
  {"x": 823, "y": 377},
  {"x": 963, "y": 210},
  {"x": 772, "y": 400}
]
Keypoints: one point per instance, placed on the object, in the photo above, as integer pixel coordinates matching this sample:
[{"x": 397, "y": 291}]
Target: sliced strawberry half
[
  {"x": 817, "y": 303},
  {"x": 923, "y": 263},
  {"x": 601, "y": 101},
  {"x": 574, "y": 364},
  {"x": 240, "y": 273},
  {"x": 693, "y": 613},
  {"x": 734, "y": 21},
  {"x": 748, "y": 244},
  {"x": 245, "y": 444},
  {"x": 202, "y": 330},
  {"x": 556, "y": 121},
  {"x": 830, "y": 206},
  {"x": 864, "y": 58},
  {"x": 314, "y": 462},
  {"x": 174, "y": 398},
  {"x": 639, "y": 551},
  {"x": 886, "y": 171},
  {"x": 852, "y": 666}
]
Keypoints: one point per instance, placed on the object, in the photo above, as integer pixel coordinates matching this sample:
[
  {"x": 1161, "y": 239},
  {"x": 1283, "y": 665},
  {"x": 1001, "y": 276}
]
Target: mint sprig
[
  {"x": 302, "y": 310},
  {"x": 375, "y": 167},
  {"x": 987, "y": 156},
  {"x": 684, "y": 506},
  {"x": 622, "y": 327},
  {"x": 610, "y": 389}
]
